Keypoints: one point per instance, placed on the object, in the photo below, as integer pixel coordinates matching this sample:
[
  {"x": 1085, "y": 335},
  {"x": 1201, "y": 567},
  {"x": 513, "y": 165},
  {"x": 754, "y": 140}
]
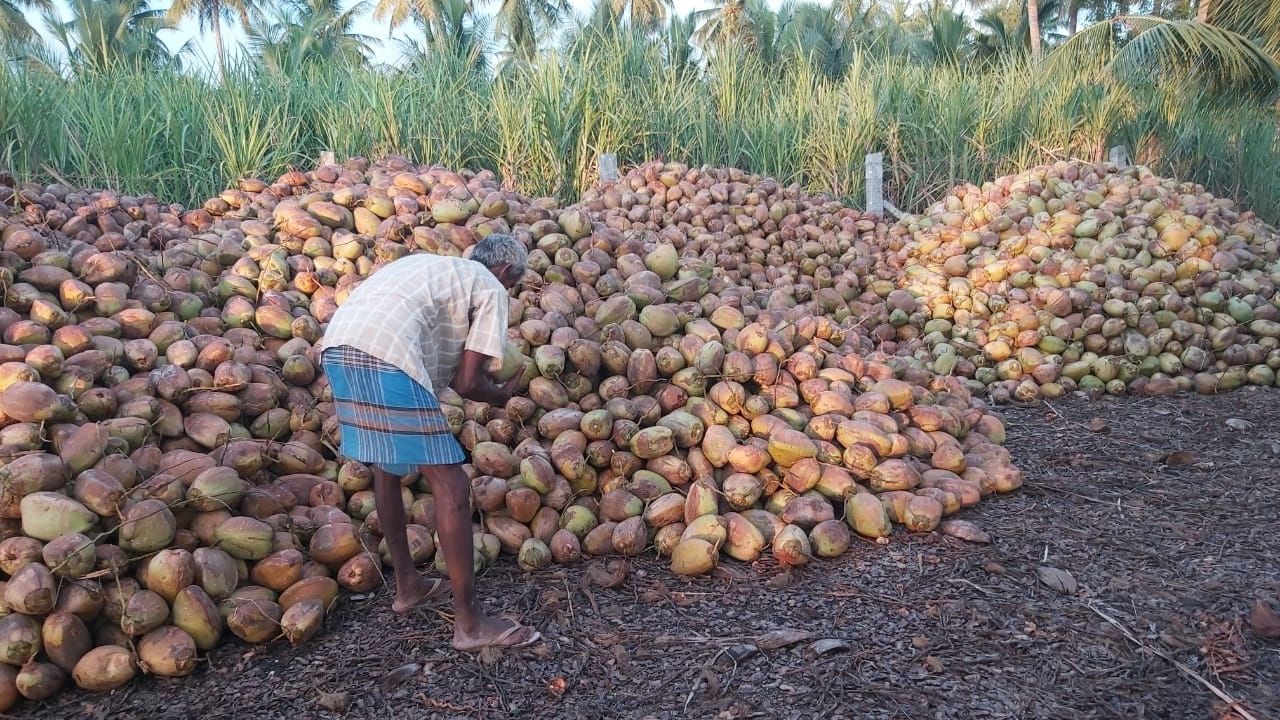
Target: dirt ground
[{"x": 1163, "y": 512}]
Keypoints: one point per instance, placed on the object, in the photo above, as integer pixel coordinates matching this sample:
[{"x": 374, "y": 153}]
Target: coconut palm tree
[
  {"x": 768, "y": 30},
  {"x": 1258, "y": 20},
  {"x": 398, "y": 12},
  {"x": 305, "y": 32},
  {"x": 1050, "y": 17},
  {"x": 897, "y": 29},
  {"x": 817, "y": 33},
  {"x": 1141, "y": 47},
  {"x": 1033, "y": 22},
  {"x": 994, "y": 37},
  {"x": 944, "y": 36},
  {"x": 648, "y": 16},
  {"x": 678, "y": 43},
  {"x": 1007, "y": 28},
  {"x": 519, "y": 23},
  {"x": 13, "y": 18},
  {"x": 851, "y": 10},
  {"x": 33, "y": 55},
  {"x": 211, "y": 14},
  {"x": 726, "y": 21},
  {"x": 603, "y": 24},
  {"x": 619, "y": 47},
  {"x": 454, "y": 31},
  {"x": 104, "y": 35},
  {"x": 1094, "y": 10},
  {"x": 868, "y": 24},
  {"x": 806, "y": 30}
]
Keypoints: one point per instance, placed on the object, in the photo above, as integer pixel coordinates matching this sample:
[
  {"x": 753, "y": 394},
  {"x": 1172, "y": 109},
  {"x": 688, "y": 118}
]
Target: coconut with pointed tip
[
  {"x": 105, "y": 668},
  {"x": 791, "y": 547},
  {"x": 830, "y": 538},
  {"x": 302, "y": 620},
  {"x": 693, "y": 556},
  {"x": 168, "y": 652},
  {"x": 743, "y": 541}
]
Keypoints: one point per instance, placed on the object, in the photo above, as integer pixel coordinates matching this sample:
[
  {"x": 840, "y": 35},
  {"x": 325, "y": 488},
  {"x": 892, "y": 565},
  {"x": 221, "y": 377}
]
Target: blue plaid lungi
[{"x": 387, "y": 418}]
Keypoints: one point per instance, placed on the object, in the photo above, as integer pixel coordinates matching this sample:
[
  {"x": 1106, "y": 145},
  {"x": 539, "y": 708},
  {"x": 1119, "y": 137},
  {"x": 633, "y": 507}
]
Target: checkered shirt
[{"x": 419, "y": 313}]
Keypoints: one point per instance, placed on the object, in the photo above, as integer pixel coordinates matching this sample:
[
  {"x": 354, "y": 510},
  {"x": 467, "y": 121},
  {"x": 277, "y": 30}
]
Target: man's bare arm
[{"x": 474, "y": 382}]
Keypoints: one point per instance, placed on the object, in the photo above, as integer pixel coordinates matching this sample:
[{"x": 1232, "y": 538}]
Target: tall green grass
[{"x": 541, "y": 127}]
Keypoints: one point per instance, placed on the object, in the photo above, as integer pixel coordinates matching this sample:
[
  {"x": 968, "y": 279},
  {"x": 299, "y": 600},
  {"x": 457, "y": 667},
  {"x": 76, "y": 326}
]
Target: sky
[{"x": 203, "y": 52}]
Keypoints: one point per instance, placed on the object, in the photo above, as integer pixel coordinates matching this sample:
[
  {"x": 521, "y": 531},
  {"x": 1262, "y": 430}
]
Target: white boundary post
[
  {"x": 1119, "y": 155},
  {"x": 875, "y": 184},
  {"x": 608, "y": 164},
  {"x": 326, "y": 157}
]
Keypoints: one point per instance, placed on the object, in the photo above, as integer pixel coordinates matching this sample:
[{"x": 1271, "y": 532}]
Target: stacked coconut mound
[
  {"x": 1088, "y": 277},
  {"x": 712, "y": 364}
]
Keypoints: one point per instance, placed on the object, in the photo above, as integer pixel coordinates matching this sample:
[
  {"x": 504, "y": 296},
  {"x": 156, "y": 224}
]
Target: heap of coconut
[
  {"x": 1078, "y": 276},
  {"x": 713, "y": 365}
]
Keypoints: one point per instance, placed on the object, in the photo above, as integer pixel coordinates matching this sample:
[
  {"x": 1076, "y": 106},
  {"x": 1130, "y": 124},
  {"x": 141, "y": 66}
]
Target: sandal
[
  {"x": 501, "y": 641},
  {"x": 436, "y": 586}
]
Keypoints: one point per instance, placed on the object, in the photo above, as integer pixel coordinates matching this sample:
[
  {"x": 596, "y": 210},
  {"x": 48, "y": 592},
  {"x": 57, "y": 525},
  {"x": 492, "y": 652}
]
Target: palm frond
[
  {"x": 14, "y": 24},
  {"x": 397, "y": 12},
  {"x": 30, "y": 54},
  {"x": 645, "y": 15},
  {"x": 678, "y": 43},
  {"x": 1145, "y": 48},
  {"x": 1258, "y": 20}
]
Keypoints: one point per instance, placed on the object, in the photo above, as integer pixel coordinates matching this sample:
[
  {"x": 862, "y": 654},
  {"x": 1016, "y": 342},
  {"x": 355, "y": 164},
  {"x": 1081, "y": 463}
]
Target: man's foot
[
  {"x": 424, "y": 590},
  {"x": 495, "y": 632}
]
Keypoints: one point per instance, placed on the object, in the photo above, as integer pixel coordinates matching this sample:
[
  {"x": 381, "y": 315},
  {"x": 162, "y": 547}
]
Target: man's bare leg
[
  {"x": 411, "y": 587},
  {"x": 472, "y": 629}
]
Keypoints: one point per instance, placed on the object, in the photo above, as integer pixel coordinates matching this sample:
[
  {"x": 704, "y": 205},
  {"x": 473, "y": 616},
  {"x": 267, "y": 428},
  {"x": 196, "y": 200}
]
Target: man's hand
[
  {"x": 474, "y": 382},
  {"x": 510, "y": 387}
]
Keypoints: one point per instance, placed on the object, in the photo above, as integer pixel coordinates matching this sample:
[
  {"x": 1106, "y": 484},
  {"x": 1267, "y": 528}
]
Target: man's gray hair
[{"x": 497, "y": 250}]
